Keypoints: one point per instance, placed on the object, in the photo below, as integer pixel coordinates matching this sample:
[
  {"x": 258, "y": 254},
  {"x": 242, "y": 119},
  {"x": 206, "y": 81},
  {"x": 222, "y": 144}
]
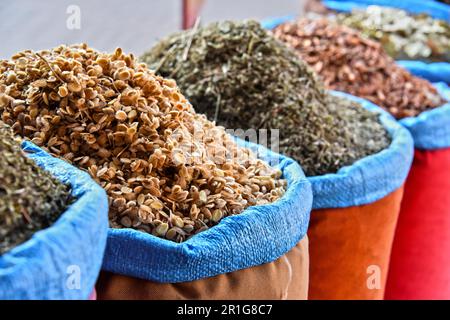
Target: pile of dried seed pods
[
  {"x": 239, "y": 75},
  {"x": 167, "y": 170},
  {"x": 349, "y": 62},
  {"x": 30, "y": 198}
]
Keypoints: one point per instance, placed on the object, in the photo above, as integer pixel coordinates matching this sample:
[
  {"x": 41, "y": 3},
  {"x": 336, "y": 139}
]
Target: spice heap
[
  {"x": 315, "y": 7},
  {"x": 349, "y": 62},
  {"x": 243, "y": 78},
  {"x": 30, "y": 198},
  {"x": 403, "y": 36},
  {"x": 167, "y": 170}
]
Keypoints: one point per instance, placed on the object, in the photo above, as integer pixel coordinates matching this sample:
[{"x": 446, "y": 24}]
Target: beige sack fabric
[{"x": 285, "y": 278}]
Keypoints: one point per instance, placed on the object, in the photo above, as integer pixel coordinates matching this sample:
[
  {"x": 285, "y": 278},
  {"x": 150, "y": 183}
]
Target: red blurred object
[
  {"x": 93, "y": 295},
  {"x": 420, "y": 261},
  {"x": 191, "y": 10}
]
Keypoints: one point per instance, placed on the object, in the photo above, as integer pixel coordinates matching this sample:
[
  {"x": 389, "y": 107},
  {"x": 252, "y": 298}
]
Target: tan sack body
[{"x": 285, "y": 278}]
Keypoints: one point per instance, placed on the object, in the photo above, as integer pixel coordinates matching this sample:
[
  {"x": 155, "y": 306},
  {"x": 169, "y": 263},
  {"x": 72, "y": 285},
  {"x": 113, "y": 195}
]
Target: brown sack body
[{"x": 285, "y": 278}]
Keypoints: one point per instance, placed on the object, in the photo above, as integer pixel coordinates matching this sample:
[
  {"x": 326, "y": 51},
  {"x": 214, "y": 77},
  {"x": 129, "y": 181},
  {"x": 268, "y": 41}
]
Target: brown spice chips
[{"x": 351, "y": 63}]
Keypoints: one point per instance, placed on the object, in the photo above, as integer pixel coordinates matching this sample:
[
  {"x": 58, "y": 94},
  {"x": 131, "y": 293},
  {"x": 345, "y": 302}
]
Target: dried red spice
[{"x": 349, "y": 62}]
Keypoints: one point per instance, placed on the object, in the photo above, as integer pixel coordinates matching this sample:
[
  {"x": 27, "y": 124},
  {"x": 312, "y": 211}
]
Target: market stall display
[
  {"x": 168, "y": 171},
  {"x": 349, "y": 62},
  {"x": 298, "y": 158},
  {"x": 242, "y": 77}
]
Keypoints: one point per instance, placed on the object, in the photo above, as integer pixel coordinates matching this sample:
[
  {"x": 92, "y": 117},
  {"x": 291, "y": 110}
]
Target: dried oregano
[
  {"x": 240, "y": 76},
  {"x": 167, "y": 170},
  {"x": 403, "y": 35},
  {"x": 30, "y": 198}
]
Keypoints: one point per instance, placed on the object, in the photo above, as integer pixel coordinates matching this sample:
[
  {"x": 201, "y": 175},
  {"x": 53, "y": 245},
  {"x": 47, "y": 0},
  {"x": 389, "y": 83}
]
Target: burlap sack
[
  {"x": 63, "y": 261},
  {"x": 354, "y": 216},
  {"x": 420, "y": 262},
  {"x": 261, "y": 253},
  {"x": 285, "y": 278}
]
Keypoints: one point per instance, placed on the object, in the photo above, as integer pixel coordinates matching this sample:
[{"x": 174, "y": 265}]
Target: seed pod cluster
[
  {"x": 167, "y": 170},
  {"x": 403, "y": 35},
  {"x": 30, "y": 198},
  {"x": 242, "y": 77},
  {"x": 349, "y": 62}
]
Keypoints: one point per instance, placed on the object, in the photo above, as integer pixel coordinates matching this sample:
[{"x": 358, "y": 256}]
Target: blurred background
[{"x": 133, "y": 25}]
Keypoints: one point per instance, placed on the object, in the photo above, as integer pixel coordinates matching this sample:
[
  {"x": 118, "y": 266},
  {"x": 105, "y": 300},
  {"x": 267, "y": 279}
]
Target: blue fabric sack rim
[
  {"x": 371, "y": 178},
  {"x": 447, "y": 6},
  {"x": 37, "y": 268},
  {"x": 431, "y": 128},
  {"x": 432, "y": 71},
  {"x": 261, "y": 234}
]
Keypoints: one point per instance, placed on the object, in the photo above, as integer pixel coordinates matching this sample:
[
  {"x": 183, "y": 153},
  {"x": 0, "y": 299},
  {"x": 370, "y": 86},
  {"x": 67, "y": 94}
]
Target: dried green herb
[
  {"x": 403, "y": 35},
  {"x": 30, "y": 198},
  {"x": 242, "y": 77}
]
